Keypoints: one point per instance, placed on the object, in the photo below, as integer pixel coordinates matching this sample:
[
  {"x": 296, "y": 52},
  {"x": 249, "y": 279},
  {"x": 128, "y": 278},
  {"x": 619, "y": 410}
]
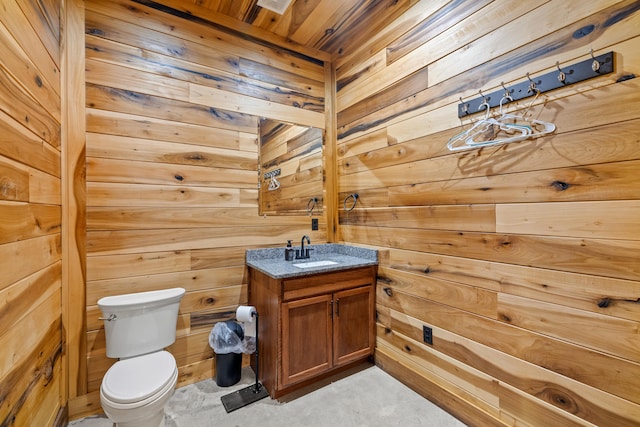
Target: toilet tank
[{"x": 141, "y": 323}]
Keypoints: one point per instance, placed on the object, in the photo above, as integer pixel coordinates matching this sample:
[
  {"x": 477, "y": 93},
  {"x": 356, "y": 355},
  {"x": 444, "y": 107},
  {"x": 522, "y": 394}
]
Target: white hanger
[{"x": 514, "y": 128}]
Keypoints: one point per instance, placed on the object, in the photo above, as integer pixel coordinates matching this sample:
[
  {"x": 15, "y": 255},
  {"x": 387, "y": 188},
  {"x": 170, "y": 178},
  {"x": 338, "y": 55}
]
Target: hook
[
  {"x": 355, "y": 200},
  {"x": 532, "y": 85},
  {"x": 312, "y": 201},
  {"x": 595, "y": 65},
  {"x": 465, "y": 107},
  {"x": 507, "y": 93},
  {"x": 561, "y": 75}
]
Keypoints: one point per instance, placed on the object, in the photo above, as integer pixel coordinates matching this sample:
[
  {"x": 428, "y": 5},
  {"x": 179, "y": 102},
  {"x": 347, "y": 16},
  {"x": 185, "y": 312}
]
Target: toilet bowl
[{"x": 134, "y": 391}]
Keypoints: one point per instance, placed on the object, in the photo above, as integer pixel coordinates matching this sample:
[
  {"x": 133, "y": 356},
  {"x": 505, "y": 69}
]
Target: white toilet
[{"x": 138, "y": 327}]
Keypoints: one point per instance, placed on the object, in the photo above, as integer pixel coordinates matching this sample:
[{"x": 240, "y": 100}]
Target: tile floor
[{"x": 367, "y": 397}]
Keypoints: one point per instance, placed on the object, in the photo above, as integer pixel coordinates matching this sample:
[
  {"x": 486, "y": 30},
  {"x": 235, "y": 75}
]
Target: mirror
[{"x": 290, "y": 168}]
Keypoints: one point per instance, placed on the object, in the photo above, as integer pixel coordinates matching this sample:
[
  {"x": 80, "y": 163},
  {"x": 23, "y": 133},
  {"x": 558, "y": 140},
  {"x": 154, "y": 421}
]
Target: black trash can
[{"x": 229, "y": 365}]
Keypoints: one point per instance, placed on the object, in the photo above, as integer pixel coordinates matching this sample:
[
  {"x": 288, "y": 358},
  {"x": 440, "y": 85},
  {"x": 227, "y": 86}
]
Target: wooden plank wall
[
  {"x": 172, "y": 111},
  {"x": 31, "y": 373},
  {"x": 522, "y": 258}
]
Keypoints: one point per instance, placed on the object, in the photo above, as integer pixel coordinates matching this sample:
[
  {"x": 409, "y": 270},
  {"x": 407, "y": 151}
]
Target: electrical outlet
[
  {"x": 427, "y": 335},
  {"x": 314, "y": 224}
]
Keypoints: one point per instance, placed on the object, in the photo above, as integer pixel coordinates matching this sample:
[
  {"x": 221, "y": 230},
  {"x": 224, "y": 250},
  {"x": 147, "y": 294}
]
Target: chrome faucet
[{"x": 303, "y": 253}]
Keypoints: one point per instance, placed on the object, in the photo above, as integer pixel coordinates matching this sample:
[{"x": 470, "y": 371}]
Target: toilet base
[{"x": 157, "y": 420}]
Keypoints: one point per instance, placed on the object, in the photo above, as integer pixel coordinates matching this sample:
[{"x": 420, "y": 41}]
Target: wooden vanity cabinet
[{"x": 312, "y": 326}]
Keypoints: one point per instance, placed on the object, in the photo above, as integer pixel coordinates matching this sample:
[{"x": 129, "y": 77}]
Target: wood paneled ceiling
[{"x": 330, "y": 26}]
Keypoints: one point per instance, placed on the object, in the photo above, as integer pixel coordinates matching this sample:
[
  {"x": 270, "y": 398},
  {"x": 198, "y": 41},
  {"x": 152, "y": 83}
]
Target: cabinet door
[
  {"x": 306, "y": 338},
  {"x": 353, "y": 335}
]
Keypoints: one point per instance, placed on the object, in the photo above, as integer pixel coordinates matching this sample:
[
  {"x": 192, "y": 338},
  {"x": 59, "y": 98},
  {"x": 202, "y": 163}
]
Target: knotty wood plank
[
  {"x": 123, "y": 124},
  {"x": 136, "y": 218},
  {"x": 354, "y": 56},
  {"x": 604, "y": 295},
  {"x": 117, "y": 266},
  {"x": 454, "y": 399},
  {"x": 113, "y": 242},
  {"x": 44, "y": 26},
  {"x": 15, "y": 102},
  {"x": 15, "y": 22},
  {"x": 126, "y": 148},
  {"x": 17, "y": 63},
  {"x": 42, "y": 353},
  {"x": 455, "y": 217},
  {"x": 212, "y": 18},
  {"x": 109, "y": 194},
  {"x": 592, "y": 182},
  {"x": 158, "y": 278},
  {"x": 204, "y": 95},
  {"x": 272, "y": 84},
  {"x": 514, "y": 66},
  {"x": 116, "y": 76},
  {"x": 567, "y": 396},
  {"x": 124, "y": 171},
  {"x": 126, "y": 101},
  {"x": 24, "y": 221},
  {"x": 19, "y": 144},
  {"x": 469, "y": 298},
  {"x": 154, "y": 29},
  {"x": 607, "y": 220},
  {"x": 618, "y": 337},
  {"x": 553, "y": 14},
  {"x": 441, "y": 20},
  {"x": 14, "y": 183},
  {"x": 612, "y": 258},
  {"x": 597, "y": 369},
  {"x": 34, "y": 254}
]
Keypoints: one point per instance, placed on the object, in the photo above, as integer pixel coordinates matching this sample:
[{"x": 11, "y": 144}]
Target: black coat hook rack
[{"x": 564, "y": 76}]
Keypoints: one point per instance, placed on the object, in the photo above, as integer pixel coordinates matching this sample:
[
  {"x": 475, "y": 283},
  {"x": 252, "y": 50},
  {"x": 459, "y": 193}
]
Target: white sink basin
[{"x": 314, "y": 264}]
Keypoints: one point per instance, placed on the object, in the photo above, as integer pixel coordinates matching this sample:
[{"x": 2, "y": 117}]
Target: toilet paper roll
[{"x": 244, "y": 314}]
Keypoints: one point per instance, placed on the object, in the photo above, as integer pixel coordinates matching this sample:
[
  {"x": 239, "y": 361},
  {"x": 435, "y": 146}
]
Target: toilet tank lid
[{"x": 138, "y": 298}]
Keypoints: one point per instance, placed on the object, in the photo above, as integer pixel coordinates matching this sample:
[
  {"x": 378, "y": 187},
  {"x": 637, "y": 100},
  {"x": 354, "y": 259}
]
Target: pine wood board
[
  {"x": 599, "y": 370},
  {"x": 152, "y": 32},
  {"x": 15, "y": 21},
  {"x": 135, "y": 172},
  {"x": 129, "y": 125},
  {"x": 470, "y": 298},
  {"x": 260, "y": 33},
  {"x": 137, "y": 218},
  {"x": 612, "y": 258},
  {"x": 533, "y": 383},
  {"x": 35, "y": 254},
  {"x": 146, "y": 150},
  {"x": 618, "y": 337},
  {"x": 456, "y": 401},
  {"x": 359, "y": 54},
  {"x": 571, "y": 184},
  {"x": 551, "y": 16},
  {"x": 597, "y": 294},
  {"x": 202, "y": 280},
  {"x": 17, "y": 63},
  {"x": 450, "y": 217},
  {"x": 21, "y": 145},
  {"x": 606, "y": 220},
  {"x": 44, "y": 188},
  {"x": 134, "y": 241},
  {"x": 128, "y": 101}
]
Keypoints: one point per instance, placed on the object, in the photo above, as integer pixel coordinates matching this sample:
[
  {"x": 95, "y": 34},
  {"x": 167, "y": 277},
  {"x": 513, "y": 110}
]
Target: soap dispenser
[{"x": 288, "y": 252}]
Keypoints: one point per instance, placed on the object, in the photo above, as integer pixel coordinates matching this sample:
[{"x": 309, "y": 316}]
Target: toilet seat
[{"x": 137, "y": 379}]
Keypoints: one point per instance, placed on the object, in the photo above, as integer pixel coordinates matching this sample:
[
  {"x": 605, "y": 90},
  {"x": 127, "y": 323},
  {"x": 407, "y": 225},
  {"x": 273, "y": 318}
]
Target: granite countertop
[{"x": 271, "y": 261}]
